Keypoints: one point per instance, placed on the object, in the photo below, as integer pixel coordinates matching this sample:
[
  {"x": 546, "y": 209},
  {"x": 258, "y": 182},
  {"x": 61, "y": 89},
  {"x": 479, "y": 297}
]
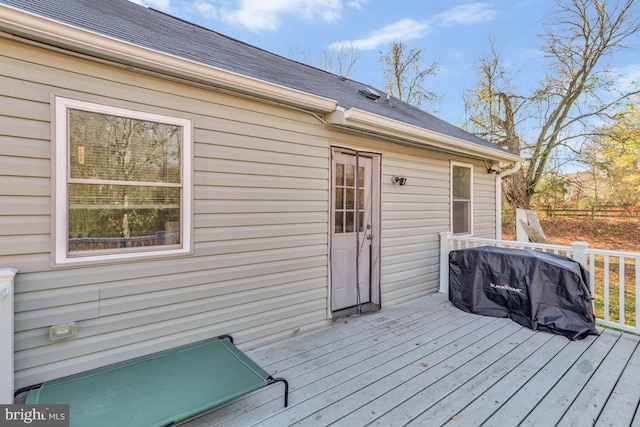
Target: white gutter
[
  {"x": 34, "y": 27},
  {"x": 354, "y": 118},
  {"x": 499, "y": 178}
]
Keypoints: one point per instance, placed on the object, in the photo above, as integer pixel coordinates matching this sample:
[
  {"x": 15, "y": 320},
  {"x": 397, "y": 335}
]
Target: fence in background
[{"x": 614, "y": 276}]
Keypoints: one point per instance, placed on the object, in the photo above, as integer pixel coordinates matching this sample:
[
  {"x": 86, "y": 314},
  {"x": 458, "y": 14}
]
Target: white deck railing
[
  {"x": 6, "y": 335},
  {"x": 614, "y": 276}
]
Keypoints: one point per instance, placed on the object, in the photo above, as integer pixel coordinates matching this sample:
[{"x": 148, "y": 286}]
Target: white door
[{"x": 352, "y": 233}]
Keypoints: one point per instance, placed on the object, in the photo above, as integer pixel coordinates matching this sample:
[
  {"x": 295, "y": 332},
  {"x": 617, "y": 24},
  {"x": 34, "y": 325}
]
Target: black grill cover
[{"x": 539, "y": 290}]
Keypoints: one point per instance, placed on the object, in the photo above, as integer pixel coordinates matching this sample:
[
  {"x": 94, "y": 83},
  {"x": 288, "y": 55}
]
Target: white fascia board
[
  {"x": 362, "y": 120},
  {"x": 27, "y": 25}
]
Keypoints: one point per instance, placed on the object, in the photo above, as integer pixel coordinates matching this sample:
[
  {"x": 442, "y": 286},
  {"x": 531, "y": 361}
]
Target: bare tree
[
  {"x": 494, "y": 112},
  {"x": 339, "y": 60},
  {"x": 576, "y": 89},
  {"x": 404, "y": 76}
]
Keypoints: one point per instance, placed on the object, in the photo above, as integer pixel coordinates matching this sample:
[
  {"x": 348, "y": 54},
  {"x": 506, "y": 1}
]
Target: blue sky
[{"x": 450, "y": 32}]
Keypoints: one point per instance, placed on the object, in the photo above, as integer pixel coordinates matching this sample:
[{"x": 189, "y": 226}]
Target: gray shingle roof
[{"x": 149, "y": 28}]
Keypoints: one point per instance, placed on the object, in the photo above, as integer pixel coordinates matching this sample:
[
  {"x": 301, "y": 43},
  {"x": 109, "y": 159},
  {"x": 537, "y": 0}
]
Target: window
[
  {"x": 461, "y": 202},
  {"x": 345, "y": 198},
  {"x": 123, "y": 183}
]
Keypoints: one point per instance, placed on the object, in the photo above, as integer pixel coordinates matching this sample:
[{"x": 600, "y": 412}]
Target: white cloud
[
  {"x": 464, "y": 14},
  {"x": 411, "y": 29},
  {"x": 357, "y": 4},
  {"x": 403, "y": 30},
  {"x": 206, "y": 10},
  {"x": 261, "y": 15},
  {"x": 156, "y": 4}
]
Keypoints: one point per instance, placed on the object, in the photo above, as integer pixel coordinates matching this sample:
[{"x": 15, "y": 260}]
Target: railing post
[
  {"x": 445, "y": 248},
  {"x": 579, "y": 250},
  {"x": 521, "y": 232},
  {"x": 6, "y": 335}
]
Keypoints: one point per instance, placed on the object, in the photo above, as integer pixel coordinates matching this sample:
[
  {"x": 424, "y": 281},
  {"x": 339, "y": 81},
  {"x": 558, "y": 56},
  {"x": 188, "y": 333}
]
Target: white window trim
[
  {"x": 62, "y": 174},
  {"x": 471, "y": 195}
]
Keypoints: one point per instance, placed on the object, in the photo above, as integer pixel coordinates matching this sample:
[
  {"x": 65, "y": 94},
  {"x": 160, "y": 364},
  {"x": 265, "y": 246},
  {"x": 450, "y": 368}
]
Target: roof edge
[
  {"x": 34, "y": 27},
  {"x": 19, "y": 23},
  {"x": 354, "y": 118}
]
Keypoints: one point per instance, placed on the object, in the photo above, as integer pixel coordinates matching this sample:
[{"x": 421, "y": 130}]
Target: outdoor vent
[{"x": 369, "y": 93}]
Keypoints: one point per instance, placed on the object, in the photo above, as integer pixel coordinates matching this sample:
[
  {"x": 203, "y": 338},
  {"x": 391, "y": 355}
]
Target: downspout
[{"x": 516, "y": 167}]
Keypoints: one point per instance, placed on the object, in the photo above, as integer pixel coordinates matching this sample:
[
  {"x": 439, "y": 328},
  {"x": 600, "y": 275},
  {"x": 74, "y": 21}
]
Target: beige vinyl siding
[
  {"x": 260, "y": 261},
  {"x": 412, "y": 217},
  {"x": 484, "y": 203},
  {"x": 259, "y": 267},
  {"x": 415, "y": 214}
]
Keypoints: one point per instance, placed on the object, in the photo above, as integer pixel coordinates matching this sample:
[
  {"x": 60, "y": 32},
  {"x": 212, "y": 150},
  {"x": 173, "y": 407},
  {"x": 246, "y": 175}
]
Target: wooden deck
[{"x": 426, "y": 363}]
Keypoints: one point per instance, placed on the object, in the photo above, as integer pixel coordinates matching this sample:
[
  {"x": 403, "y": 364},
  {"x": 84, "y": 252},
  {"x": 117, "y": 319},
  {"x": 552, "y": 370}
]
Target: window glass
[
  {"x": 345, "y": 198},
  {"x": 125, "y": 189},
  {"x": 461, "y": 188},
  {"x": 108, "y": 147},
  {"x": 339, "y": 222},
  {"x": 350, "y": 198},
  {"x": 350, "y": 222},
  {"x": 350, "y": 175},
  {"x": 461, "y": 182},
  {"x": 339, "y": 198},
  {"x": 339, "y": 174},
  {"x": 116, "y": 216},
  {"x": 461, "y": 213}
]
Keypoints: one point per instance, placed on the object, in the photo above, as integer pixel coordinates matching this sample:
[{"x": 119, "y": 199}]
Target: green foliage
[{"x": 613, "y": 156}]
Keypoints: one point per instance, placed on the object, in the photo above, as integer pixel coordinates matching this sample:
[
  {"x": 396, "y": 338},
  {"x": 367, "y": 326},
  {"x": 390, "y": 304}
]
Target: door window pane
[
  {"x": 339, "y": 222},
  {"x": 339, "y": 202},
  {"x": 349, "y": 222},
  {"x": 350, "y": 201},
  {"x": 350, "y": 198},
  {"x": 350, "y": 182},
  {"x": 339, "y": 174}
]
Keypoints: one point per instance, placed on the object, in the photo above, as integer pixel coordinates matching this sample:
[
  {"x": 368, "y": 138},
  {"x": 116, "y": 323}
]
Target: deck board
[
  {"x": 490, "y": 377},
  {"x": 494, "y": 397},
  {"x": 558, "y": 400},
  {"x": 586, "y": 408},
  {"x": 426, "y": 363},
  {"x": 626, "y": 393}
]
